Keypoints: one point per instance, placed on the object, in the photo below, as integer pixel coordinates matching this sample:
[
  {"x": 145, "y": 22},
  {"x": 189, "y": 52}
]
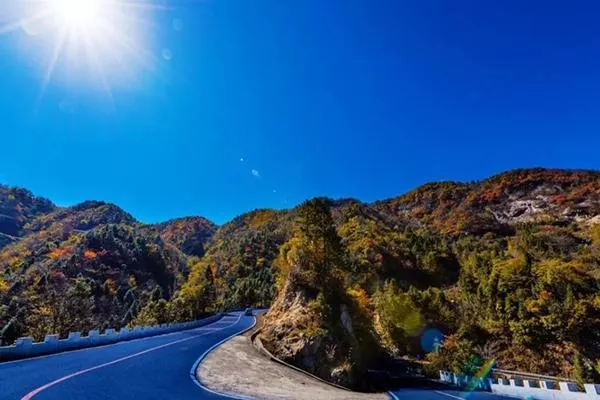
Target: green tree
[
  {"x": 63, "y": 311},
  {"x": 316, "y": 251},
  {"x": 198, "y": 294},
  {"x": 155, "y": 312},
  {"x": 584, "y": 370},
  {"x": 399, "y": 316}
]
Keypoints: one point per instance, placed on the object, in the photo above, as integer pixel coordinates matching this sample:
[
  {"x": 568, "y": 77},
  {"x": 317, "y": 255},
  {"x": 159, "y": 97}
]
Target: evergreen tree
[
  {"x": 319, "y": 246},
  {"x": 209, "y": 290}
]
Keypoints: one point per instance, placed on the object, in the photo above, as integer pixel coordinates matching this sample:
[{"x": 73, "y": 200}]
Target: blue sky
[{"x": 340, "y": 98}]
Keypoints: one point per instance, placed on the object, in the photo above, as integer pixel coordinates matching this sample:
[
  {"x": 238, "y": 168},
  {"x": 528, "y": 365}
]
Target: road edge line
[
  {"x": 449, "y": 395},
  {"x": 392, "y": 395},
  {"x": 48, "y": 385},
  {"x": 196, "y": 365}
]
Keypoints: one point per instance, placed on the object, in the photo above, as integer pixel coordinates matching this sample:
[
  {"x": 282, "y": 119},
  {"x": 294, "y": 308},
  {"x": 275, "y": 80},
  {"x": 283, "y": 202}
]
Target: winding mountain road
[{"x": 155, "y": 368}]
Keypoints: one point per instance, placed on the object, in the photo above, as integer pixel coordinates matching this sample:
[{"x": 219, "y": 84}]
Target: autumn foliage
[{"x": 507, "y": 267}]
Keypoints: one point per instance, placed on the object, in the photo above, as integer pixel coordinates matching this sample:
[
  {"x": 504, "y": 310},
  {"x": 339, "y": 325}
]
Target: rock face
[
  {"x": 542, "y": 202},
  {"x": 346, "y": 320},
  {"x": 253, "y": 376},
  {"x": 243, "y": 250},
  {"x": 311, "y": 323},
  {"x": 499, "y": 203},
  {"x": 448, "y": 236},
  {"x": 297, "y": 334},
  {"x": 442, "y": 243}
]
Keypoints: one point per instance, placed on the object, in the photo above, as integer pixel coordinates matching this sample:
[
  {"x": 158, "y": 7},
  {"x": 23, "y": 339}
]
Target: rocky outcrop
[
  {"x": 297, "y": 333},
  {"x": 257, "y": 377},
  {"x": 499, "y": 203}
]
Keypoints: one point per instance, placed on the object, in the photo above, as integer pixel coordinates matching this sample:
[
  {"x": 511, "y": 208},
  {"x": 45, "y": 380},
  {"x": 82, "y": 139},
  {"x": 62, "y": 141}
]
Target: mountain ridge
[
  {"x": 487, "y": 264},
  {"x": 550, "y": 172}
]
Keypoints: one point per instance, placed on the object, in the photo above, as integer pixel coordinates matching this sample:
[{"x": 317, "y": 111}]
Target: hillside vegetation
[
  {"x": 90, "y": 266},
  {"x": 507, "y": 269}
]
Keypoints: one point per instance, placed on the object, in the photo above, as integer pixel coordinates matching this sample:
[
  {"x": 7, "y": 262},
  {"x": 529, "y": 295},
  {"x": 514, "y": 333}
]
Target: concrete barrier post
[
  {"x": 136, "y": 332},
  {"x": 124, "y": 333},
  {"x": 592, "y": 390},
  {"x": 567, "y": 387},
  {"x": 111, "y": 336},
  {"x": 72, "y": 341},
  {"x": 23, "y": 346},
  {"x": 484, "y": 384},
  {"x": 24, "y": 342},
  {"x": 93, "y": 337},
  {"x": 443, "y": 376},
  {"x": 50, "y": 344}
]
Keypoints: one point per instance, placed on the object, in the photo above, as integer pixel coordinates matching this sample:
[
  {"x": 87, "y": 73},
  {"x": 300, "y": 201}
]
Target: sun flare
[
  {"x": 79, "y": 13},
  {"x": 92, "y": 41}
]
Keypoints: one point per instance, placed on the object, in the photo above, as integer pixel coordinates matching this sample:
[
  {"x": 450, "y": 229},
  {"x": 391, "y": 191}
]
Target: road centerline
[{"x": 48, "y": 385}]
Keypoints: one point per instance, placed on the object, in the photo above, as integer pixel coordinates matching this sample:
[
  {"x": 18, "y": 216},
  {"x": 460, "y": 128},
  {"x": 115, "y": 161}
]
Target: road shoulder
[{"x": 237, "y": 368}]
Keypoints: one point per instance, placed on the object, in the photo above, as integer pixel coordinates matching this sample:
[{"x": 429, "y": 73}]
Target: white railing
[
  {"x": 526, "y": 388},
  {"x": 25, "y": 347}
]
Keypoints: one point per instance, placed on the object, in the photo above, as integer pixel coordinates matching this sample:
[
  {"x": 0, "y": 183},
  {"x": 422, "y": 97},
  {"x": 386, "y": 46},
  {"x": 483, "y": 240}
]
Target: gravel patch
[{"x": 236, "y": 367}]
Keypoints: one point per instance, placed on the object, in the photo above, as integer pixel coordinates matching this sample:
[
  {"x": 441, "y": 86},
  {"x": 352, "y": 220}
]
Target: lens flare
[
  {"x": 481, "y": 374},
  {"x": 431, "y": 340},
  {"x": 78, "y": 12},
  {"x": 94, "y": 42}
]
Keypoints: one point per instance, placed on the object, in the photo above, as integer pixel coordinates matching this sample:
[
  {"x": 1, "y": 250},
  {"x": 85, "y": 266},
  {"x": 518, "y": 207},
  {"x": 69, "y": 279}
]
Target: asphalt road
[
  {"x": 444, "y": 394},
  {"x": 156, "y": 368}
]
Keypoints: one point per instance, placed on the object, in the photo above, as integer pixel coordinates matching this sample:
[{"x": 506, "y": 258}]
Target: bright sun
[
  {"x": 78, "y": 13},
  {"x": 95, "y": 40}
]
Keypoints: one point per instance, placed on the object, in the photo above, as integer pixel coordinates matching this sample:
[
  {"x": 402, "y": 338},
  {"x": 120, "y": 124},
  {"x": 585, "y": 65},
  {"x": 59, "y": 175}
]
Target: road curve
[{"x": 155, "y": 368}]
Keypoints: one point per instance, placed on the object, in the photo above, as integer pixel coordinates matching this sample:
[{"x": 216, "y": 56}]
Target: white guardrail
[
  {"x": 25, "y": 347},
  {"x": 526, "y": 388}
]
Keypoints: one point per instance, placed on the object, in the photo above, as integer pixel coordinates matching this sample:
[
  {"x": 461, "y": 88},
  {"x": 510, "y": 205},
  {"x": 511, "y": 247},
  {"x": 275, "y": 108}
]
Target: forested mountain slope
[
  {"x": 505, "y": 268},
  {"x": 190, "y": 234},
  {"x": 17, "y": 207},
  {"x": 90, "y": 266},
  {"x": 499, "y": 203}
]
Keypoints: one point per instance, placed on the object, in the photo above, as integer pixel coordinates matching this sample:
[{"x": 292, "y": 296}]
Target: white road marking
[
  {"x": 450, "y": 395},
  {"x": 199, "y": 360},
  {"x": 40, "y": 389}
]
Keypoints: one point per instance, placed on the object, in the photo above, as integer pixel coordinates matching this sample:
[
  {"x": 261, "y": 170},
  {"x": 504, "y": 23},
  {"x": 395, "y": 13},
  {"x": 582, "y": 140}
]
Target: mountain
[
  {"x": 88, "y": 266},
  {"x": 431, "y": 218},
  {"x": 17, "y": 207},
  {"x": 190, "y": 235},
  {"x": 505, "y": 268},
  {"x": 319, "y": 319},
  {"x": 499, "y": 203}
]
